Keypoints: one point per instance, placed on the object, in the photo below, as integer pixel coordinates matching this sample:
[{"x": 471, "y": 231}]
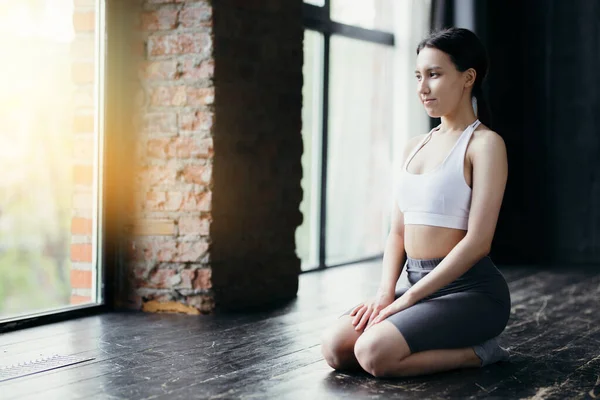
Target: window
[
  {"x": 307, "y": 235},
  {"x": 359, "y": 142},
  {"x": 370, "y": 14},
  {"x": 347, "y": 131},
  {"x": 50, "y": 147},
  {"x": 315, "y": 2}
]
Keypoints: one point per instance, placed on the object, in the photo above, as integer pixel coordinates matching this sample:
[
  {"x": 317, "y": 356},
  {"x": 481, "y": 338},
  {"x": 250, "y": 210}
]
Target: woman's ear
[{"x": 470, "y": 76}]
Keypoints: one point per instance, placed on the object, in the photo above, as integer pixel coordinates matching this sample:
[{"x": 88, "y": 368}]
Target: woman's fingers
[
  {"x": 359, "y": 314},
  {"x": 355, "y": 310},
  {"x": 374, "y": 315},
  {"x": 363, "y": 320},
  {"x": 383, "y": 314}
]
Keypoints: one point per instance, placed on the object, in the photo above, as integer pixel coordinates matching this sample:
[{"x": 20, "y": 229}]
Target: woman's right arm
[
  {"x": 393, "y": 255},
  {"x": 393, "y": 261}
]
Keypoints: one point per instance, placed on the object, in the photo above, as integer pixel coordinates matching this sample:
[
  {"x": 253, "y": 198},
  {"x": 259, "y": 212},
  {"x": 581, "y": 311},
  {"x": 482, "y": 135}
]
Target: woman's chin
[{"x": 432, "y": 113}]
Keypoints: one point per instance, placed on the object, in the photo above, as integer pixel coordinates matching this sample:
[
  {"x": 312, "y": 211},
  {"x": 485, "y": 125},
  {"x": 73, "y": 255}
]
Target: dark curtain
[
  {"x": 543, "y": 90},
  {"x": 442, "y": 14}
]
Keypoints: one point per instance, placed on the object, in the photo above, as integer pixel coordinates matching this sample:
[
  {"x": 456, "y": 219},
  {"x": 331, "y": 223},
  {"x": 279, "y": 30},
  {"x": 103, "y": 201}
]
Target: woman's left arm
[{"x": 490, "y": 171}]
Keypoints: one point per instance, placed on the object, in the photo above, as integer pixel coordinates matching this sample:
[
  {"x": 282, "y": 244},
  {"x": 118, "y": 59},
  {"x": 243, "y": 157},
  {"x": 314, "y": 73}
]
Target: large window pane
[
  {"x": 370, "y": 14},
  {"x": 315, "y": 2},
  {"x": 359, "y": 149},
  {"x": 307, "y": 235},
  {"x": 48, "y": 147}
]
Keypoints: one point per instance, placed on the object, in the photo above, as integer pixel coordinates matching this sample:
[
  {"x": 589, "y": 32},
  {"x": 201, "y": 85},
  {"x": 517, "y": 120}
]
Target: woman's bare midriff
[{"x": 422, "y": 241}]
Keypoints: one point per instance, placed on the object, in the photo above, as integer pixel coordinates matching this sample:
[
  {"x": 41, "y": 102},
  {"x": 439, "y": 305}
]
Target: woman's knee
[
  {"x": 367, "y": 351},
  {"x": 379, "y": 349},
  {"x": 337, "y": 344}
]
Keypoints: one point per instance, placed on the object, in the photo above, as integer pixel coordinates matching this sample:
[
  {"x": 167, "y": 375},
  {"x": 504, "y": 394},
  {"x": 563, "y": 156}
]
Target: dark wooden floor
[{"x": 554, "y": 333}]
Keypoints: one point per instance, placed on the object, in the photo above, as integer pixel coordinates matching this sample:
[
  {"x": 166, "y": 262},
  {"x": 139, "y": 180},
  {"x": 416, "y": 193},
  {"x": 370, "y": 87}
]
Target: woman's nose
[{"x": 423, "y": 88}]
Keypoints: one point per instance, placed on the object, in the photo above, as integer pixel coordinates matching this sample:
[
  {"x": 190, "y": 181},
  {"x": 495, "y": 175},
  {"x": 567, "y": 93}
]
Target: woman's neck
[{"x": 458, "y": 120}]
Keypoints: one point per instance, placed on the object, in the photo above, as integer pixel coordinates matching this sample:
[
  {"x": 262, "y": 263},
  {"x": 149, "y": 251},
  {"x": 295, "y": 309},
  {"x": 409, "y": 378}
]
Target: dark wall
[
  {"x": 258, "y": 147},
  {"x": 543, "y": 89}
]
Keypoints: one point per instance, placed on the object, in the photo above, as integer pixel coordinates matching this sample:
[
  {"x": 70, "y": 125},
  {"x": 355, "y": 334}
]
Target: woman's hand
[
  {"x": 366, "y": 312},
  {"x": 402, "y": 303}
]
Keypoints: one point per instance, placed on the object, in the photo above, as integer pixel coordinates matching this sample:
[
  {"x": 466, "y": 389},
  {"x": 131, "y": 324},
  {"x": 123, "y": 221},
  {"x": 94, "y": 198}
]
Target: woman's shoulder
[{"x": 486, "y": 140}]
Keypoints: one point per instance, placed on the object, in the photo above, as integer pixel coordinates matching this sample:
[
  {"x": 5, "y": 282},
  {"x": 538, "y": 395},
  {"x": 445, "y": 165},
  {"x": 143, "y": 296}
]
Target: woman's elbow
[{"x": 480, "y": 245}]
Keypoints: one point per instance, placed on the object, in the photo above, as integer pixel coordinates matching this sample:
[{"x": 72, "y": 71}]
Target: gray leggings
[{"x": 469, "y": 311}]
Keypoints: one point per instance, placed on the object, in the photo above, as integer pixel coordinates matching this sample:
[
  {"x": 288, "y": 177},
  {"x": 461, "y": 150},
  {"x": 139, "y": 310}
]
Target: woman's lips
[{"x": 428, "y": 101}]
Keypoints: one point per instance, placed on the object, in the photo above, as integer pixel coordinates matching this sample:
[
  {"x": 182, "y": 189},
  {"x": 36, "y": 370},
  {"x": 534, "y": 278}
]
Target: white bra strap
[
  {"x": 461, "y": 149},
  {"x": 419, "y": 146}
]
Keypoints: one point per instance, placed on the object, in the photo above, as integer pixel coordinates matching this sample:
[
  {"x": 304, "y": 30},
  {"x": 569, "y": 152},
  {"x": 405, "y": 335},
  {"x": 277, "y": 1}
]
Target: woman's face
[{"x": 440, "y": 86}]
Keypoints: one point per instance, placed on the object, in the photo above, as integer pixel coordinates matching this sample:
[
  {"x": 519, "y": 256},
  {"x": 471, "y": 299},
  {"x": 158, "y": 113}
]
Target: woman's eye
[
  {"x": 433, "y": 74},
  {"x": 418, "y": 77}
]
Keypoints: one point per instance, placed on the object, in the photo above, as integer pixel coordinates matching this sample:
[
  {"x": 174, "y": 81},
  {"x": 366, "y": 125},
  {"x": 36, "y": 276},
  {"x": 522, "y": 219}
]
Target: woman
[{"x": 448, "y": 200}]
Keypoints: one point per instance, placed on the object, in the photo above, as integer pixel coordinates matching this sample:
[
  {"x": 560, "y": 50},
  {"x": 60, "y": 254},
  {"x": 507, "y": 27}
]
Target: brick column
[
  {"x": 169, "y": 243},
  {"x": 83, "y": 78},
  {"x": 216, "y": 194}
]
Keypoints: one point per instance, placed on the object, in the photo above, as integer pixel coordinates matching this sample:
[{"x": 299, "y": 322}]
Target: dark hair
[{"x": 466, "y": 51}]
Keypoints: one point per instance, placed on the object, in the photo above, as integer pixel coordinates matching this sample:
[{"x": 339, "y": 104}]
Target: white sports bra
[{"x": 439, "y": 197}]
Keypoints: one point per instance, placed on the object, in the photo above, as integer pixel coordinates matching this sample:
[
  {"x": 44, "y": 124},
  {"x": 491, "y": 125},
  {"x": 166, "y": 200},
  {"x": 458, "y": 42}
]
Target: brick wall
[
  {"x": 83, "y": 78},
  {"x": 215, "y": 158}
]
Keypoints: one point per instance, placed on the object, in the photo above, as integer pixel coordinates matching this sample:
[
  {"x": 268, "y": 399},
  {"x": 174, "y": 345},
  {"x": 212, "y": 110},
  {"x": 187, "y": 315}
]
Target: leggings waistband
[{"x": 426, "y": 263}]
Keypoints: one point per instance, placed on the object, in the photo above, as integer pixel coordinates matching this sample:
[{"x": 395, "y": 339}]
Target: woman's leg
[
  {"x": 382, "y": 351},
  {"x": 431, "y": 336},
  {"x": 337, "y": 344}
]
